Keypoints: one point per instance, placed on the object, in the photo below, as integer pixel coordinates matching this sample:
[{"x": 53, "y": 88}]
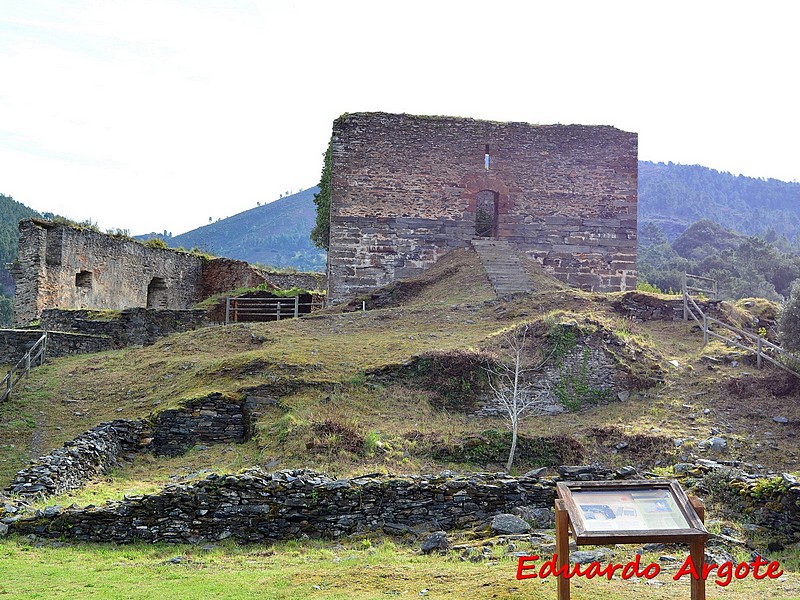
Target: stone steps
[{"x": 502, "y": 266}]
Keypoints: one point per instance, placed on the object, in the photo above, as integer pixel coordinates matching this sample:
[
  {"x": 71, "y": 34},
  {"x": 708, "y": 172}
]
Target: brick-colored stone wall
[
  {"x": 405, "y": 191},
  {"x": 224, "y": 274}
]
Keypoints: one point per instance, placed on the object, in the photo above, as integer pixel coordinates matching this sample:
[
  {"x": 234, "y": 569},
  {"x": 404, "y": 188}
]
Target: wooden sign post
[{"x": 628, "y": 512}]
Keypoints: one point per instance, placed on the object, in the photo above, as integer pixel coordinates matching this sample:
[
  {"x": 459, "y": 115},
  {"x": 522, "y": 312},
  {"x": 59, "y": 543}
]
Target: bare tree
[{"x": 508, "y": 382}]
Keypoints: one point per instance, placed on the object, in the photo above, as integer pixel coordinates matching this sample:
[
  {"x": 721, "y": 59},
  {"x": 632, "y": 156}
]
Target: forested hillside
[
  {"x": 274, "y": 234},
  {"x": 744, "y": 266},
  {"x": 11, "y": 213},
  {"x": 675, "y": 196}
]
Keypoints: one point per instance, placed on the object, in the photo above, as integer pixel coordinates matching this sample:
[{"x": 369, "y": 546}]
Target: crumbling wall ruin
[
  {"x": 60, "y": 266},
  {"x": 405, "y": 190}
]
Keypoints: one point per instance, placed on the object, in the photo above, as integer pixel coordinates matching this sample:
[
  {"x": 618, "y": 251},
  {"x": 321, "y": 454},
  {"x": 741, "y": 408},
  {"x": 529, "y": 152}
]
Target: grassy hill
[{"x": 336, "y": 365}]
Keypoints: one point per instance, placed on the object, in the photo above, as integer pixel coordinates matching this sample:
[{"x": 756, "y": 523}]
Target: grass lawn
[{"x": 311, "y": 569}]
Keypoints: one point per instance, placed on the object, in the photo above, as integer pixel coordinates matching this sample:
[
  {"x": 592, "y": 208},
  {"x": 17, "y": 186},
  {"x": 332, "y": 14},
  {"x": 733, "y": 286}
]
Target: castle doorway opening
[
  {"x": 486, "y": 213},
  {"x": 157, "y": 293}
]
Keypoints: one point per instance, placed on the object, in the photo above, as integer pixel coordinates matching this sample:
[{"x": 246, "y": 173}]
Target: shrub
[
  {"x": 156, "y": 243},
  {"x": 644, "y": 286},
  {"x": 789, "y": 321}
]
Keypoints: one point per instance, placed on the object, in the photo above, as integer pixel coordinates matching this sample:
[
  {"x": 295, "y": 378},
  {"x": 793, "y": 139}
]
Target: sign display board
[
  {"x": 628, "y": 512},
  {"x": 621, "y": 512},
  {"x": 623, "y": 509}
]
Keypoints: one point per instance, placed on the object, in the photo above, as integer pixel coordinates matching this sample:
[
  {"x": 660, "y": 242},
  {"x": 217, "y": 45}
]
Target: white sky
[{"x": 154, "y": 115}]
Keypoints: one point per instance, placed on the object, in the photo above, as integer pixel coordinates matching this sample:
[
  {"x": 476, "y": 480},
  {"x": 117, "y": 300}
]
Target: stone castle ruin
[
  {"x": 61, "y": 266},
  {"x": 406, "y": 189}
]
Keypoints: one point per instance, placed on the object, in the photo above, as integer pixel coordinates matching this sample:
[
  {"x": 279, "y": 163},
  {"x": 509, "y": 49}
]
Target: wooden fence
[
  {"x": 32, "y": 357},
  {"x": 761, "y": 347},
  {"x": 268, "y": 309}
]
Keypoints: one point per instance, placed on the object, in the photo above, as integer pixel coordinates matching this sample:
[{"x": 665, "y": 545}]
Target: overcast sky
[{"x": 158, "y": 115}]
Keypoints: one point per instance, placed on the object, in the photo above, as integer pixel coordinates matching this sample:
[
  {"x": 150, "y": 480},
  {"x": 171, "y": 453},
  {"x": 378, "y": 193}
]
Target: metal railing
[
  {"x": 268, "y": 309},
  {"x": 35, "y": 355},
  {"x": 761, "y": 347}
]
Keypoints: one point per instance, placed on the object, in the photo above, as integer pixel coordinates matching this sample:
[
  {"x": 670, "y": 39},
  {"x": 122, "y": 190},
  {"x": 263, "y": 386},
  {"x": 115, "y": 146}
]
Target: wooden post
[
  {"x": 278, "y": 310},
  {"x": 227, "y": 310},
  {"x": 562, "y": 549},
  {"x": 697, "y": 551},
  {"x": 28, "y": 365},
  {"x": 296, "y": 306},
  {"x": 758, "y": 353},
  {"x": 685, "y": 301},
  {"x": 705, "y": 329}
]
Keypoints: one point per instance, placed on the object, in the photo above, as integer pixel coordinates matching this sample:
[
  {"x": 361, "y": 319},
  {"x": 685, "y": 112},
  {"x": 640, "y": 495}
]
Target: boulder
[{"x": 506, "y": 523}]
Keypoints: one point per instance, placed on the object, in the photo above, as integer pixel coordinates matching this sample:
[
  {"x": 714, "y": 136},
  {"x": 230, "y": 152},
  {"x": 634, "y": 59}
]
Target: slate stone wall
[
  {"x": 84, "y": 458},
  {"x": 258, "y": 507},
  {"x": 133, "y": 326},
  {"x": 405, "y": 191},
  {"x": 213, "y": 419},
  {"x": 14, "y": 343}
]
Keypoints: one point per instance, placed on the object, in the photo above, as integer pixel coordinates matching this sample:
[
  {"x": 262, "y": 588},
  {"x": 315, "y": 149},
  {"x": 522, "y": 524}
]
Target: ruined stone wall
[
  {"x": 60, "y": 266},
  {"x": 80, "y": 460},
  {"x": 405, "y": 190},
  {"x": 14, "y": 343},
  {"x": 224, "y": 274},
  {"x": 66, "y": 267},
  {"x": 258, "y": 507},
  {"x": 213, "y": 419},
  {"x": 133, "y": 326}
]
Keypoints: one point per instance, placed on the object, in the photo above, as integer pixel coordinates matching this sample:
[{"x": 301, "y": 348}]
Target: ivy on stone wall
[{"x": 321, "y": 233}]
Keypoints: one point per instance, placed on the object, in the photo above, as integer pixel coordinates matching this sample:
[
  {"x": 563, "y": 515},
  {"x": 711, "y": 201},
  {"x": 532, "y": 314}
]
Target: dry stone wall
[
  {"x": 133, "y": 326},
  {"x": 258, "y": 507},
  {"x": 405, "y": 190},
  {"x": 14, "y": 343},
  {"x": 84, "y": 458},
  {"x": 213, "y": 419}
]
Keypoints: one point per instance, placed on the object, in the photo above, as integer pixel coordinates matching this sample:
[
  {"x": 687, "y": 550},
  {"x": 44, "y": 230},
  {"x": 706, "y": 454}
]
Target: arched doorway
[
  {"x": 157, "y": 293},
  {"x": 486, "y": 205}
]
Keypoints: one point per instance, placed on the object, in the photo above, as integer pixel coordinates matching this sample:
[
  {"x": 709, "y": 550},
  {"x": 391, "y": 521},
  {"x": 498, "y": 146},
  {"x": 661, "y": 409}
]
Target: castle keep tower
[{"x": 406, "y": 189}]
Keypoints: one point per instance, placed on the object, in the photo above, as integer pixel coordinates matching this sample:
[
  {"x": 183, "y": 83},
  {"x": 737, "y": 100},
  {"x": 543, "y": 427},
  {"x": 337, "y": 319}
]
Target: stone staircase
[{"x": 502, "y": 265}]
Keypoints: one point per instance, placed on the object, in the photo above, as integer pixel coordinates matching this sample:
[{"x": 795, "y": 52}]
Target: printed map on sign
[{"x": 625, "y": 509}]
